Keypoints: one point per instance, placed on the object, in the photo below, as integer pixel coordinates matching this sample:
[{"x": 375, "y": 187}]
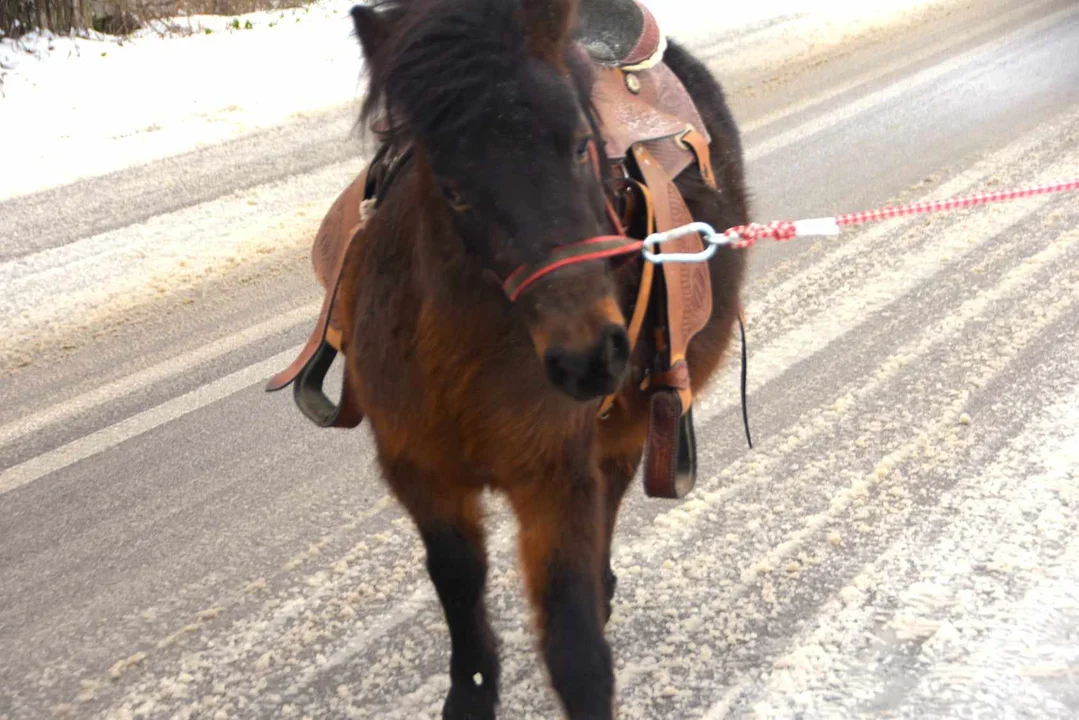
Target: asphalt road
[{"x": 901, "y": 543}]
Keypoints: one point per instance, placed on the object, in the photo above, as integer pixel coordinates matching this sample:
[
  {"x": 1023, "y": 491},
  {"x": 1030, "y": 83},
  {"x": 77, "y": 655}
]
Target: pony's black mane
[{"x": 435, "y": 70}]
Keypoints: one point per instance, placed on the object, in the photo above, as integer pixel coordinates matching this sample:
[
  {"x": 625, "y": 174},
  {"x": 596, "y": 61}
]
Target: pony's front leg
[
  {"x": 621, "y": 439},
  {"x": 448, "y": 517},
  {"x": 562, "y": 529},
  {"x": 618, "y": 474}
]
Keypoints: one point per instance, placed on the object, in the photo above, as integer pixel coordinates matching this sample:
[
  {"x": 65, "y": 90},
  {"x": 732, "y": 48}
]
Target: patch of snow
[
  {"x": 107, "y": 276},
  {"x": 86, "y": 106},
  {"x": 695, "y": 20}
]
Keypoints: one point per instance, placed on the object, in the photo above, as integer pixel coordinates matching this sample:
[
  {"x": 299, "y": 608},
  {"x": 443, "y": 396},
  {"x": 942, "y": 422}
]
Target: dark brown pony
[{"x": 466, "y": 390}]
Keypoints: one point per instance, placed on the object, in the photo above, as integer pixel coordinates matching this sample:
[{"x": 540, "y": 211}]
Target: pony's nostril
[
  {"x": 586, "y": 374},
  {"x": 615, "y": 349},
  {"x": 563, "y": 366}
]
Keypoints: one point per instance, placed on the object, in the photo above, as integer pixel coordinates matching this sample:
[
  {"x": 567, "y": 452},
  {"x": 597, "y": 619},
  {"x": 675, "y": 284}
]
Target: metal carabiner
[{"x": 711, "y": 239}]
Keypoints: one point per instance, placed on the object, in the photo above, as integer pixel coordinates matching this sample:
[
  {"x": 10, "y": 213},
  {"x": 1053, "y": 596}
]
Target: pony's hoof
[{"x": 468, "y": 704}]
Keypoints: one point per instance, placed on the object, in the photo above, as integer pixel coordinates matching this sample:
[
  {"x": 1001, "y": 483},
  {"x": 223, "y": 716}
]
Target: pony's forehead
[{"x": 538, "y": 97}]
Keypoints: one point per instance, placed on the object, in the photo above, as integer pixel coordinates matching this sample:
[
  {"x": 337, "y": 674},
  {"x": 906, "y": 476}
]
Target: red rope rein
[{"x": 747, "y": 235}]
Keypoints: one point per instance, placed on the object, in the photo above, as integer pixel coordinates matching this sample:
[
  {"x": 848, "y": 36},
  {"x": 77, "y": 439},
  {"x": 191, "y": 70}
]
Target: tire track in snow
[
  {"x": 1026, "y": 649},
  {"x": 814, "y": 292},
  {"x": 427, "y": 617},
  {"x": 655, "y": 579},
  {"x": 955, "y": 568},
  {"x": 936, "y": 334}
]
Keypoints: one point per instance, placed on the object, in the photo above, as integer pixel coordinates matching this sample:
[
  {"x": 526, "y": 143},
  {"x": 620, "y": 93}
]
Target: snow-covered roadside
[
  {"x": 88, "y": 107},
  {"x": 83, "y": 107}
]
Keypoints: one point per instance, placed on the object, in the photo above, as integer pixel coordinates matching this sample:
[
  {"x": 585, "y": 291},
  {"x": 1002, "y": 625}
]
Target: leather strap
[
  {"x": 308, "y": 370},
  {"x": 670, "y": 463},
  {"x": 334, "y": 234},
  {"x": 696, "y": 142},
  {"x": 677, "y": 378},
  {"x": 597, "y": 248},
  {"x": 644, "y": 291},
  {"x": 284, "y": 378},
  {"x": 688, "y": 296},
  {"x": 745, "y": 377},
  {"x": 683, "y": 309}
]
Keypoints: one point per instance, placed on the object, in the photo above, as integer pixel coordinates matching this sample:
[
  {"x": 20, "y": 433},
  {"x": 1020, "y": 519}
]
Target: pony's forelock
[{"x": 440, "y": 61}]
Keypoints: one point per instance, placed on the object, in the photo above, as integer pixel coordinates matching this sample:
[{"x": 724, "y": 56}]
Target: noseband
[{"x": 597, "y": 248}]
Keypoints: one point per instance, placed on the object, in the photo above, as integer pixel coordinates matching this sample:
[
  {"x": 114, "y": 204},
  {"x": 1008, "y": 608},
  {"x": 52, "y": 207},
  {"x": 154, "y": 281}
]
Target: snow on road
[
  {"x": 902, "y": 543},
  {"x": 106, "y": 276},
  {"x": 83, "y": 107}
]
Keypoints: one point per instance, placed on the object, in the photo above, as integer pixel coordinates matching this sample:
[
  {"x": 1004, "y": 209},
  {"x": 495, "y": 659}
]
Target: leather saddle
[
  {"x": 620, "y": 33},
  {"x": 652, "y": 132}
]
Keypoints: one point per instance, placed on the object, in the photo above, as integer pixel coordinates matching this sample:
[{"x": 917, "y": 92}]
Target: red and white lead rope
[{"x": 745, "y": 236}]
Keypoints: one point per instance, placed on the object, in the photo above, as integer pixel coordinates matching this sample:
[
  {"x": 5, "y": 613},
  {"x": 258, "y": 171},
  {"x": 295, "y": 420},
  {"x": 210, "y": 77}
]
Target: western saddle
[{"x": 652, "y": 132}]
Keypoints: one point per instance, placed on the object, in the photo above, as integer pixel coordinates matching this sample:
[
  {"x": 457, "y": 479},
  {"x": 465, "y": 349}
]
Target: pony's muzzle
[
  {"x": 579, "y": 334},
  {"x": 592, "y": 372}
]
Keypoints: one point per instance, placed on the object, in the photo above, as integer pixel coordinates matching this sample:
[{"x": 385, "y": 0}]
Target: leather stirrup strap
[
  {"x": 644, "y": 292},
  {"x": 688, "y": 285}
]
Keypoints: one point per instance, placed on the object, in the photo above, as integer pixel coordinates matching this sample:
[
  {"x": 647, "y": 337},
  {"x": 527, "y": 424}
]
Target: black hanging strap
[{"x": 745, "y": 380}]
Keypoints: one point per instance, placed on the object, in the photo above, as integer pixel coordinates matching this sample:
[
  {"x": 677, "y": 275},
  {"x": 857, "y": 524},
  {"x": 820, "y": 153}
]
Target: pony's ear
[
  {"x": 372, "y": 28},
  {"x": 548, "y": 24}
]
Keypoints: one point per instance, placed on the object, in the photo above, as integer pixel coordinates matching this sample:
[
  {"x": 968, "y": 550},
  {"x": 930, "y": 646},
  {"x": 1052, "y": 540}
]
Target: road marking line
[
  {"x": 1008, "y": 19},
  {"x": 895, "y": 90},
  {"x": 108, "y": 437},
  {"x": 122, "y": 387},
  {"x": 154, "y": 374}
]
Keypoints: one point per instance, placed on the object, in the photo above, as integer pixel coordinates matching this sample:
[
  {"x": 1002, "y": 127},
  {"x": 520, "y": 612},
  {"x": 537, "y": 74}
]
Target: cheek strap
[{"x": 600, "y": 247}]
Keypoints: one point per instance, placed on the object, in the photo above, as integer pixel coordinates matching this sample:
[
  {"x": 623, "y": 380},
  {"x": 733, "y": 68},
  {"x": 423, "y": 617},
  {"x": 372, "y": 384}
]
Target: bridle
[{"x": 601, "y": 247}]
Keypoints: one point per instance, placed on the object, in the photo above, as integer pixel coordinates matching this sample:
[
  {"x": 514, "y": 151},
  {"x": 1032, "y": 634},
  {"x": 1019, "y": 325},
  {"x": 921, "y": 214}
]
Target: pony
[{"x": 467, "y": 391}]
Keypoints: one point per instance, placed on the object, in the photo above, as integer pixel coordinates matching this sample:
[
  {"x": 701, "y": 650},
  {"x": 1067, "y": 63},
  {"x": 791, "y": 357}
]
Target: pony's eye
[{"x": 583, "y": 148}]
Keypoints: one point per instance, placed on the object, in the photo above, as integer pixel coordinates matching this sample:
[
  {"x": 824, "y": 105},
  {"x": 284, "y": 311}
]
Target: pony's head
[{"x": 494, "y": 99}]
